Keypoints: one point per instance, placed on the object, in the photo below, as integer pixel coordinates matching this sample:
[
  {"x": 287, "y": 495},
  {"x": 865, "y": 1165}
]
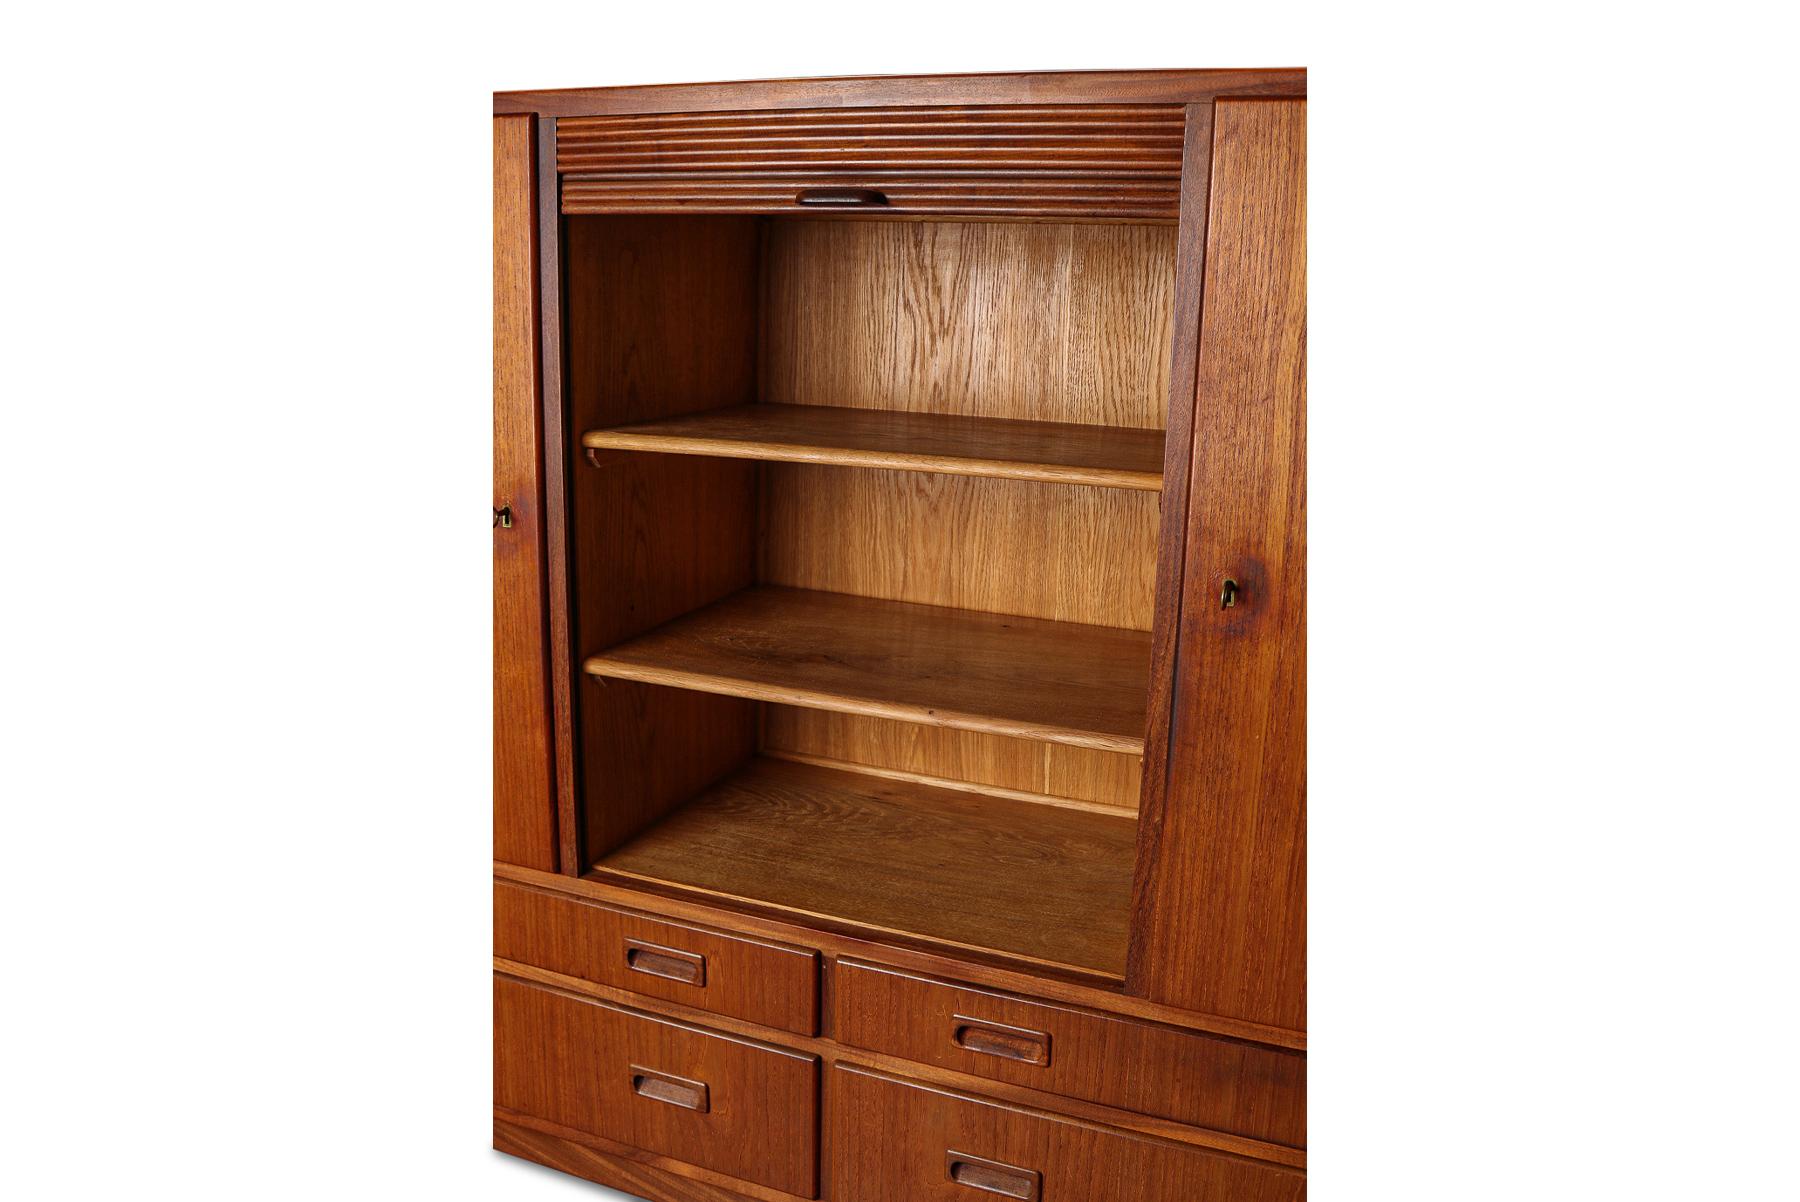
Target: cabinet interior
[{"x": 863, "y": 526}]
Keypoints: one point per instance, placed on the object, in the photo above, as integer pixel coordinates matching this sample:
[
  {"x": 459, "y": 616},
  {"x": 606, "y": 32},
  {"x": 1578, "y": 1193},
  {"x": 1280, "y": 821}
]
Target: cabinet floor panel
[
  {"x": 969, "y": 870},
  {"x": 1054, "y": 452},
  {"x": 1060, "y": 682}
]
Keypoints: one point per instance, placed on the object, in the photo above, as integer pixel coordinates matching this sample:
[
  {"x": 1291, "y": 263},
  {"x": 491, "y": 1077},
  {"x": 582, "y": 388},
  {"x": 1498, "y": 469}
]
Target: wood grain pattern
[
  {"x": 1067, "y": 554},
  {"x": 1220, "y": 918},
  {"x": 1183, "y": 86},
  {"x": 830, "y": 1053},
  {"x": 776, "y": 985},
  {"x": 661, "y": 321},
  {"x": 1055, "y": 681},
  {"x": 1033, "y": 881},
  {"x": 890, "y": 1137},
  {"x": 1097, "y": 162},
  {"x": 524, "y": 767},
  {"x": 1218, "y": 1083},
  {"x": 1102, "y": 140},
  {"x": 1056, "y": 323},
  {"x": 1079, "y": 988},
  {"x": 1053, "y": 452},
  {"x": 905, "y": 196},
  {"x": 994, "y": 763},
  {"x": 572, "y": 1061},
  {"x": 1190, "y": 287},
  {"x": 565, "y": 673},
  {"x": 632, "y": 1171}
]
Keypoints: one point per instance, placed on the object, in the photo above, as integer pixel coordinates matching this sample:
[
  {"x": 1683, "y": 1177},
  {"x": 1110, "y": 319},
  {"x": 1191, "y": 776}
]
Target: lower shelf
[{"x": 969, "y": 870}]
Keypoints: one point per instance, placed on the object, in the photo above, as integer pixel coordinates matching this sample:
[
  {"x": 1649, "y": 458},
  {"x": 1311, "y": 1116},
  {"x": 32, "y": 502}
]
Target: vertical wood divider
[
  {"x": 1190, "y": 287},
  {"x": 557, "y": 465}
]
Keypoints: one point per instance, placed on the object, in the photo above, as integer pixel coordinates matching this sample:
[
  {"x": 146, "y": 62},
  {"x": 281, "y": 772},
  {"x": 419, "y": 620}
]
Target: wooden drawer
[
  {"x": 767, "y": 983},
  {"x": 744, "y": 1109},
  {"x": 1240, "y": 1088},
  {"x": 897, "y": 1141},
  {"x": 1098, "y": 162}
]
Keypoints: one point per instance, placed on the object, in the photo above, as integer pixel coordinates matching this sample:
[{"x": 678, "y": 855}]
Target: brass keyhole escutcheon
[
  {"x": 503, "y": 517},
  {"x": 1228, "y": 593}
]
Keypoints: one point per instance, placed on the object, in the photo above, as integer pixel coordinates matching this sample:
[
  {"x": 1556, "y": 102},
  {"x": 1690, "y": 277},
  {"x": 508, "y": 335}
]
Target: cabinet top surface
[{"x": 860, "y": 91}]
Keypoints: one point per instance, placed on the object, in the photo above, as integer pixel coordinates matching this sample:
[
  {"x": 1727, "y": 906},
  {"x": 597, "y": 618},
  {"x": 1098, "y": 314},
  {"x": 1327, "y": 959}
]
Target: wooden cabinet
[{"x": 899, "y": 635}]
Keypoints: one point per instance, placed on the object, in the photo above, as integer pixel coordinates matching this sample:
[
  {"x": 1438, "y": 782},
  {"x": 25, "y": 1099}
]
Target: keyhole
[{"x": 1228, "y": 594}]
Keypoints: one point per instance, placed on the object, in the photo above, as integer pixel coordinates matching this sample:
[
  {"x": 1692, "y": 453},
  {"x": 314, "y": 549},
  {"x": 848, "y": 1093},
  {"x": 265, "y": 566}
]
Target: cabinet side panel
[
  {"x": 524, "y": 796},
  {"x": 661, "y": 321},
  {"x": 1220, "y": 922}
]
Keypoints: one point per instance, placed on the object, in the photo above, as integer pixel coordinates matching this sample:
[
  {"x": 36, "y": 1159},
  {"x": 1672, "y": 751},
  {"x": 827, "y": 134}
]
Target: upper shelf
[
  {"x": 1058, "y": 682},
  {"x": 1053, "y": 452}
]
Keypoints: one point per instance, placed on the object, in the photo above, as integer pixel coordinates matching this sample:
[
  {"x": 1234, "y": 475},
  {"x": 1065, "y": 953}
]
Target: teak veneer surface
[
  {"x": 661, "y": 321},
  {"x": 1182, "y": 86},
  {"x": 773, "y": 984},
  {"x": 1093, "y": 162},
  {"x": 1078, "y": 988},
  {"x": 1038, "y": 882},
  {"x": 578, "y": 1062},
  {"x": 1057, "y": 681},
  {"x": 1056, "y": 452},
  {"x": 1221, "y": 896},
  {"x": 524, "y": 764},
  {"x": 1145, "y": 1068},
  {"x": 895, "y": 1140}
]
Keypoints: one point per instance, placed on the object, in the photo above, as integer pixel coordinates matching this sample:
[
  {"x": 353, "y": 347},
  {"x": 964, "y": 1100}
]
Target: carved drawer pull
[
  {"x": 990, "y": 1176},
  {"x": 997, "y": 1039},
  {"x": 676, "y": 1091},
  {"x": 666, "y": 962},
  {"x": 844, "y": 198}
]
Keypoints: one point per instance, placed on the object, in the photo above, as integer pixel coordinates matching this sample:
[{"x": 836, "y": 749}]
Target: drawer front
[
  {"x": 897, "y": 1141},
  {"x": 1240, "y": 1088},
  {"x": 736, "y": 1107},
  {"x": 765, "y": 983},
  {"x": 1120, "y": 162}
]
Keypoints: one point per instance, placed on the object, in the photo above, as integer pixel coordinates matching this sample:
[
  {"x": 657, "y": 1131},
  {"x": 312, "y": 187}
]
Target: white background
[{"x": 246, "y": 442}]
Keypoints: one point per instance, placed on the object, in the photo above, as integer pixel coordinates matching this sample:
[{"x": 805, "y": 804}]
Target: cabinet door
[
  {"x": 1219, "y": 923},
  {"x": 524, "y": 796}
]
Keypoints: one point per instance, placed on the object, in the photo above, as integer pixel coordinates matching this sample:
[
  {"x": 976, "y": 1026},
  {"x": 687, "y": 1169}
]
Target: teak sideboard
[{"x": 899, "y": 637}]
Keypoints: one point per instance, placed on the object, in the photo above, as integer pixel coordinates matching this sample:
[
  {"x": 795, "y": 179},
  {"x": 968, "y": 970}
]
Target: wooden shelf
[
  {"x": 1054, "y": 452},
  {"x": 1058, "y": 682},
  {"x": 969, "y": 870}
]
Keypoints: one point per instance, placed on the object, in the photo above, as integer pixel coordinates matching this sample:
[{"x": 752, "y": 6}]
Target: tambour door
[
  {"x": 524, "y": 798},
  {"x": 1219, "y": 916}
]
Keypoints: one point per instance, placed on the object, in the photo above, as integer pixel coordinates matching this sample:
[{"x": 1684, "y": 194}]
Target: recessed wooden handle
[
  {"x": 990, "y": 1176},
  {"x": 997, "y": 1039},
  {"x": 676, "y": 1091},
  {"x": 687, "y": 967},
  {"x": 841, "y": 197}
]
